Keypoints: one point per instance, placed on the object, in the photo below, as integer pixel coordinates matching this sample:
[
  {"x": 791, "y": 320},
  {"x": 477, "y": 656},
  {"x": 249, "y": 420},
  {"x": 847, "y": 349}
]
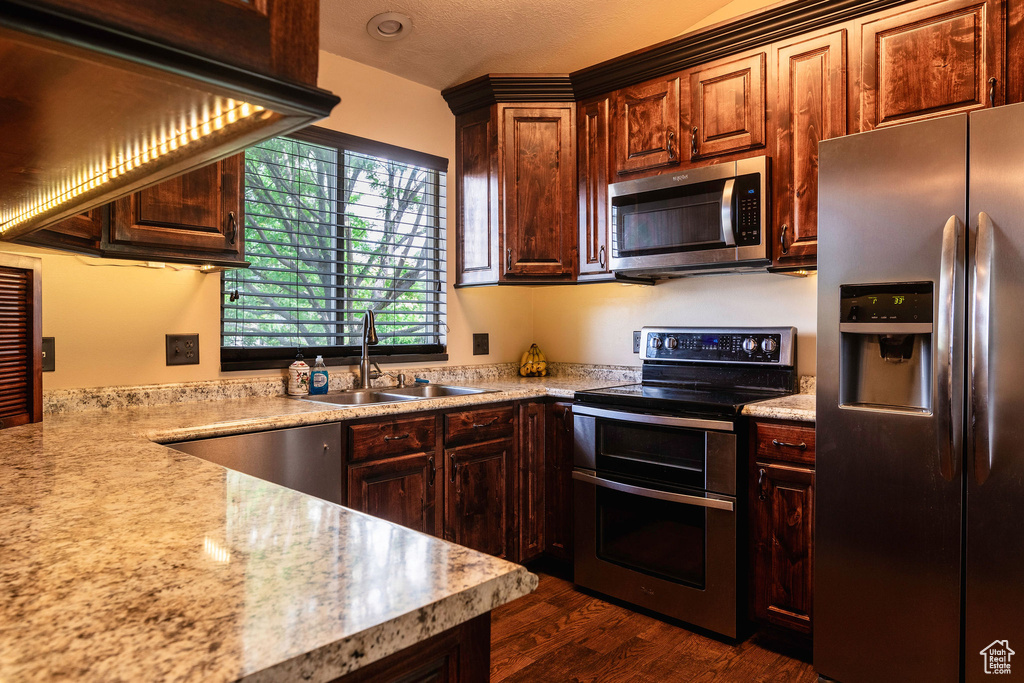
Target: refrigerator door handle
[
  {"x": 952, "y": 255},
  {"x": 981, "y": 312}
]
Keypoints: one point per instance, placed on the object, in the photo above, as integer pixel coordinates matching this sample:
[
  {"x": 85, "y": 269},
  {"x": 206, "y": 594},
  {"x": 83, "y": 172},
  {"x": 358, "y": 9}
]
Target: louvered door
[{"x": 21, "y": 351}]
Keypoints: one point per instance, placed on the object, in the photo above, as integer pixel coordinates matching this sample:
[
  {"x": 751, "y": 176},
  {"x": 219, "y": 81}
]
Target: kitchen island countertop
[{"x": 121, "y": 559}]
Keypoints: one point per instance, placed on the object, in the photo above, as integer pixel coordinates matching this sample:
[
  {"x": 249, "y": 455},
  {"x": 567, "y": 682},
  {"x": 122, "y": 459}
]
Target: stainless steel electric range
[{"x": 659, "y": 471}]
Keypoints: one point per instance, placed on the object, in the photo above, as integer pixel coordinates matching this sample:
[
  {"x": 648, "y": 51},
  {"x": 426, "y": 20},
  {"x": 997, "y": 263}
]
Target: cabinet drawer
[
  {"x": 396, "y": 437},
  {"x": 789, "y": 442},
  {"x": 478, "y": 425}
]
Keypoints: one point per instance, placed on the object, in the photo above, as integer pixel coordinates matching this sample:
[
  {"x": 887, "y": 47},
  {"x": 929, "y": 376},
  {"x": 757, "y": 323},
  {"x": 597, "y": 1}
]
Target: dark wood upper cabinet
[
  {"x": 646, "y": 126},
  {"x": 476, "y": 172},
  {"x": 198, "y": 214},
  {"x": 538, "y": 192},
  {"x": 476, "y": 498},
  {"x": 592, "y": 170},
  {"x": 926, "y": 60},
  {"x": 82, "y": 233},
  {"x": 810, "y": 106},
  {"x": 268, "y": 36},
  {"x": 403, "y": 490},
  {"x": 727, "y": 106}
]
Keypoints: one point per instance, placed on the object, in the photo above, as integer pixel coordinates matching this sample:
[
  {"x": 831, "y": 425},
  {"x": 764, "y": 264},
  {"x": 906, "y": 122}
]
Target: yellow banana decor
[{"x": 533, "y": 363}]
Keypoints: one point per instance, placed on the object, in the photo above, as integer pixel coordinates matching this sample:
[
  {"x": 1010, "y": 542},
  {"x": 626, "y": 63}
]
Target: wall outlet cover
[
  {"x": 49, "y": 355},
  {"x": 636, "y": 341},
  {"x": 183, "y": 349},
  {"x": 481, "y": 344}
]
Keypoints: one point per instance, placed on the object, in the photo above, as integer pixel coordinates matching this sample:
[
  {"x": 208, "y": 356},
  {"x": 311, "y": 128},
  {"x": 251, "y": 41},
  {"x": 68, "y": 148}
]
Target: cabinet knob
[{"x": 232, "y": 227}]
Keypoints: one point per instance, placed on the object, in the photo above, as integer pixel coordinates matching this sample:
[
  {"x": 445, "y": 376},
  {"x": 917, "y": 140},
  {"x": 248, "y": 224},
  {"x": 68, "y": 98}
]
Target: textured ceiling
[{"x": 456, "y": 40}]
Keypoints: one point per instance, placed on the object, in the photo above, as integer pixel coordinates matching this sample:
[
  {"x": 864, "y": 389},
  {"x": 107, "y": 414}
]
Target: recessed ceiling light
[{"x": 389, "y": 26}]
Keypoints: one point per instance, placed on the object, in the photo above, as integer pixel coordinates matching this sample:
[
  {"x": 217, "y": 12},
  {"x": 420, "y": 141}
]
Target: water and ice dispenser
[{"x": 886, "y": 346}]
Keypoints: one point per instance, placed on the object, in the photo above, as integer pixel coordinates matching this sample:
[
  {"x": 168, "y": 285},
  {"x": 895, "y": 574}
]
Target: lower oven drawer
[{"x": 673, "y": 553}]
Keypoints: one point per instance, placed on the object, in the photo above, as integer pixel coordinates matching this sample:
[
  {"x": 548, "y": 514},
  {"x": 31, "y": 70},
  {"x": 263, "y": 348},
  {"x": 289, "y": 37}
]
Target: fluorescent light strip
[{"x": 224, "y": 113}]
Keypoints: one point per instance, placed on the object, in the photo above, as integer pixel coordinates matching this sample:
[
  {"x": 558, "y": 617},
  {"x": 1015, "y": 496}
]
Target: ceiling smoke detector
[{"x": 389, "y": 26}]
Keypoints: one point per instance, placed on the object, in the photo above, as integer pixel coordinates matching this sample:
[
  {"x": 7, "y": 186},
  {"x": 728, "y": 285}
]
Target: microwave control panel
[
  {"x": 748, "y": 207},
  {"x": 770, "y": 346}
]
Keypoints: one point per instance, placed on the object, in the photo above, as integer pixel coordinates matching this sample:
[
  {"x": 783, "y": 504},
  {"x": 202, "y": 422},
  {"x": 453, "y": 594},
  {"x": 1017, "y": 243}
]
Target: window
[{"x": 336, "y": 225}]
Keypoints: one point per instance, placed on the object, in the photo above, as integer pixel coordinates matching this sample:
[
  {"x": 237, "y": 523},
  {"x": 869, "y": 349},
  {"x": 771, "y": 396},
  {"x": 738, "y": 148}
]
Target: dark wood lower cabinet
[
  {"x": 558, "y": 482},
  {"x": 782, "y": 524},
  {"x": 402, "y": 490},
  {"x": 477, "y": 495},
  {"x": 528, "y": 517},
  {"x": 458, "y": 655}
]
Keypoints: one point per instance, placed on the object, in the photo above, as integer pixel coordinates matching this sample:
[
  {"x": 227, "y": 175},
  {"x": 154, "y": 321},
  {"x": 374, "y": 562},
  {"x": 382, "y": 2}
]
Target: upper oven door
[
  {"x": 667, "y": 451},
  {"x": 713, "y": 214}
]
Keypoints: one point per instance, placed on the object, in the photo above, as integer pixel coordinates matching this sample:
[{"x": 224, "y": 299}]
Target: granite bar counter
[{"x": 121, "y": 559}]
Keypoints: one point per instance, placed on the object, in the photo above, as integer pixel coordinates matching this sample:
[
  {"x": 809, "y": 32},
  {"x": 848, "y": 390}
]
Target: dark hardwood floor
[{"x": 562, "y": 635}]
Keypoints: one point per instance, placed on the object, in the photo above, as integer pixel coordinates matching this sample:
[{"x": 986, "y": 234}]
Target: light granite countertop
[
  {"x": 794, "y": 407},
  {"x": 121, "y": 559}
]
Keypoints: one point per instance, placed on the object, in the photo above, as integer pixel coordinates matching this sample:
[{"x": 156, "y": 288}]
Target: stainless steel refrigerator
[{"x": 919, "y": 538}]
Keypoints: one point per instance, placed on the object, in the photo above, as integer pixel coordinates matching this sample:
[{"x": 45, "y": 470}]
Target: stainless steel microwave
[{"x": 707, "y": 219}]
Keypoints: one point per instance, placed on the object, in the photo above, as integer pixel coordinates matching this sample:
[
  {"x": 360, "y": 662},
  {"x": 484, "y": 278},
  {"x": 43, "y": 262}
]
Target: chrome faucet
[{"x": 369, "y": 338}]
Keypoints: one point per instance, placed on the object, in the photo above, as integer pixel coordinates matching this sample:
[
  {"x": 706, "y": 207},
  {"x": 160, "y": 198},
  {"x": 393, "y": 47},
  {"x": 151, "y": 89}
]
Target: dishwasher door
[{"x": 306, "y": 459}]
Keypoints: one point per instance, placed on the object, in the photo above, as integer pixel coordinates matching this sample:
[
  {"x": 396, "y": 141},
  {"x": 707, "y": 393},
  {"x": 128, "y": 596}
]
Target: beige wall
[
  {"x": 594, "y": 323},
  {"x": 109, "y": 317}
]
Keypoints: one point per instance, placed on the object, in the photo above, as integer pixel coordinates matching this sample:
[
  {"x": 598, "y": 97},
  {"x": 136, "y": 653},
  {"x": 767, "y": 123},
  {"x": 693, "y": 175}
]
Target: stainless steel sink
[
  {"x": 357, "y": 397},
  {"x": 433, "y": 391}
]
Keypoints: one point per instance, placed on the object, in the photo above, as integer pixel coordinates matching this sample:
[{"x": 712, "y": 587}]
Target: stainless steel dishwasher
[{"x": 306, "y": 459}]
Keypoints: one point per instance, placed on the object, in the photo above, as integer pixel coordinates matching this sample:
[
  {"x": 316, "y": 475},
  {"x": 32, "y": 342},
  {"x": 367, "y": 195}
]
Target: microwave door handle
[
  {"x": 727, "y": 229},
  {"x": 653, "y": 493}
]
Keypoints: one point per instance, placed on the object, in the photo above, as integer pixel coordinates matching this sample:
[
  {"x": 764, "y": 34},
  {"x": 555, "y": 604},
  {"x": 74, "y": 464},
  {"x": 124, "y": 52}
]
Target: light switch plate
[
  {"x": 49, "y": 355},
  {"x": 183, "y": 349}
]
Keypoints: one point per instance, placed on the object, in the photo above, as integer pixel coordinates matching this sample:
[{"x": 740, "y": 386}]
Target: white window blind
[{"x": 334, "y": 226}]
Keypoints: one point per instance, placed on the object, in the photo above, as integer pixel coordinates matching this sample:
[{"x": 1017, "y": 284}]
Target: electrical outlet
[
  {"x": 49, "y": 355},
  {"x": 183, "y": 349},
  {"x": 481, "y": 344},
  {"x": 636, "y": 341}
]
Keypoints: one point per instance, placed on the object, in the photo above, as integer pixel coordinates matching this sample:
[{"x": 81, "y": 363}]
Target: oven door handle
[
  {"x": 665, "y": 420},
  {"x": 653, "y": 493}
]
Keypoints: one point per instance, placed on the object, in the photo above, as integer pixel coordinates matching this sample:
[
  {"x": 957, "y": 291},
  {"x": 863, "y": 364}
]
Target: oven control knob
[
  {"x": 750, "y": 345},
  {"x": 671, "y": 343},
  {"x": 655, "y": 342},
  {"x": 768, "y": 345}
]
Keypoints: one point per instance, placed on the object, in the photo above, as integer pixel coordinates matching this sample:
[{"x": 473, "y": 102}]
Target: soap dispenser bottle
[{"x": 318, "y": 379}]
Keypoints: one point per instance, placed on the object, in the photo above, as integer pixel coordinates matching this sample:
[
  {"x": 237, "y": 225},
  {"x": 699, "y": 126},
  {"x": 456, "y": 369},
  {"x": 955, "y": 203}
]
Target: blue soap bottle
[{"x": 318, "y": 380}]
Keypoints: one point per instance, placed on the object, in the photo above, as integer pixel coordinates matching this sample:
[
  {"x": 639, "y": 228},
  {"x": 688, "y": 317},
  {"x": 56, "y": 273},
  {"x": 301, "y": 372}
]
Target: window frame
[{"x": 234, "y": 358}]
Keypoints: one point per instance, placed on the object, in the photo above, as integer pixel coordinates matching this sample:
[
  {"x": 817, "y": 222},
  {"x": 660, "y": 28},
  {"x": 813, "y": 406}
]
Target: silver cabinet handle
[
  {"x": 600, "y": 256},
  {"x": 980, "y": 331},
  {"x": 715, "y": 503},
  {"x": 388, "y": 437},
  {"x": 946, "y": 324}
]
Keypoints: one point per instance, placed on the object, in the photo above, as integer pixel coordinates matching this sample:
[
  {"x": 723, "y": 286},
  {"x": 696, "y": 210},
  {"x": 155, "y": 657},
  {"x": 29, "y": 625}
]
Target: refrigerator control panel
[{"x": 886, "y": 303}]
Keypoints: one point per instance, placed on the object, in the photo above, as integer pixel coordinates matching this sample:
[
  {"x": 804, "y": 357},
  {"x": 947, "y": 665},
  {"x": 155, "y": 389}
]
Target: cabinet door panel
[
  {"x": 558, "y": 509},
  {"x": 528, "y": 517},
  {"x": 538, "y": 190},
  {"x": 477, "y": 496},
  {"x": 199, "y": 213},
  {"x": 82, "y": 233},
  {"x": 811, "y": 106},
  {"x": 647, "y": 126},
  {"x": 476, "y": 238},
  {"x": 929, "y": 61},
  {"x": 592, "y": 165},
  {"x": 727, "y": 103},
  {"x": 401, "y": 490},
  {"x": 785, "y": 527}
]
